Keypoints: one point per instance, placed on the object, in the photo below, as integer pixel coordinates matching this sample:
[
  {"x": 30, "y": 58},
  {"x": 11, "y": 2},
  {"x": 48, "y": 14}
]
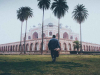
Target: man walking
[{"x": 53, "y": 45}]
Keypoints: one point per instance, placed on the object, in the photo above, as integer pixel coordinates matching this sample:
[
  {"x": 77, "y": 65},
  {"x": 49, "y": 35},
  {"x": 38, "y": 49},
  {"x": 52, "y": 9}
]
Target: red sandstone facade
[{"x": 33, "y": 43}]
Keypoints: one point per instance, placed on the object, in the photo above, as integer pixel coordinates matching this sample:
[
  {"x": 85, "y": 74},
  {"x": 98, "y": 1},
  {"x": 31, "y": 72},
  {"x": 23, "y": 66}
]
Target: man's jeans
[{"x": 53, "y": 54}]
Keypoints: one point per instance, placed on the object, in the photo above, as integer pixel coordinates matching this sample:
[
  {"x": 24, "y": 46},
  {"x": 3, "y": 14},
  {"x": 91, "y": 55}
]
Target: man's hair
[{"x": 53, "y": 36}]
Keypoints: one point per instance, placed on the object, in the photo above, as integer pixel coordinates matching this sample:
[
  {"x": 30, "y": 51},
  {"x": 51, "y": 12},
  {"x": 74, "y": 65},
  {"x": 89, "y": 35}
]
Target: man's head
[{"x": 53, "y": 36}]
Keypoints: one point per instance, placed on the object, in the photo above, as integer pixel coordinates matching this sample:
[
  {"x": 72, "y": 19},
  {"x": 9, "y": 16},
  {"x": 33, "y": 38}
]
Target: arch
[
  {"x": 89, "y": 48},
  {"x": 35, "y": 35},
  {"x": 69, "y": 47},
  {"x": 29, "y": 37},
  {"x": 76, "y": 38},
  {"x": 93, "y": 48},
  {"x": 0, "y": 49},
  {"x": 4, "y": 48},
  {"x": 65, "y": 35},
  {"x": 50, "y": 33},
  {"x": 43, "y": 35},
  {"x": 84, "y": 47},
  {"x": 73, "y": 48},
  {"x": 97, "y": 49},
  {"x": 60, "y": 45},
  {"x": 19, "y": 48},
  {"x": 16, "y": 47},
  {"x": 71, "y": 37},
  {"x": 22, "y": 47},
  {"x": 27, "y": 47},
  {"x": 64, "y": 46},
  {"x": 10, "y": 48},
  {"x": 13, "y": 48},
  {"x": 31, "y": 47},
  {"x": 36, "y": 46},
  {"x": 43, "y": 46},
  {"x": 23, "y": 38}
]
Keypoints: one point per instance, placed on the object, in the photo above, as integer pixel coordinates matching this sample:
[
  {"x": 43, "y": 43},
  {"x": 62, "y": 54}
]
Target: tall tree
[
  {"x": 21, "y": 18},
  {"x": 59, "y": 8},
  {"x": 76, "y": 45},
  {"x": 80, "y": 13},
  {"x": 27, "y": 13},
  {"x": 44, "y": 5}
]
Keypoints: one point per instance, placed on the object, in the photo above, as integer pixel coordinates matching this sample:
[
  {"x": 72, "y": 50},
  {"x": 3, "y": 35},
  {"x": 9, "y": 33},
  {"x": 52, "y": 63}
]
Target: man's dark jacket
[{"x": 53, "y": 43}]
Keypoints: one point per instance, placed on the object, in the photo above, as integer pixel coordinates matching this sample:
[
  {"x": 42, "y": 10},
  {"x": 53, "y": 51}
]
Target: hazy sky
[{"x": 10, "y": 26}]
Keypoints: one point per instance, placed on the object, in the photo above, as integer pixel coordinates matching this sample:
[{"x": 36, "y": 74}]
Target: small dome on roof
[{"x": 50, "y": 21}]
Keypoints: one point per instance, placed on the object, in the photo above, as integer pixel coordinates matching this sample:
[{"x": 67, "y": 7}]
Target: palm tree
[
  {"x": 76, "y": 45},
  {"x": 43, "y": 4},
  {"x": 59, "y": 8},
  {"x": 21, "y": 18},
  {"x": 27, "y": 13},
  {"x": 80, "y": 14}
]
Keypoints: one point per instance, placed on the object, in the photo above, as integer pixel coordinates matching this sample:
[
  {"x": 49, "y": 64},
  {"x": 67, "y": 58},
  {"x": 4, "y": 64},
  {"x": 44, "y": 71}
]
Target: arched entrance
[
  {"x": 64, "y": 46},
  {"x": 84, "y": 47},
  {"x": 35, "y": 35},
  {"x": 32, "y": 47},
  {"x": 65, "y": 35},
  {"x": 89, "y": 48},
  {"x": 69, "y": 47},
  {"x": 43, "y": 35},
  {"x": 36, "y": 46},
  {"x": 27, "y": 47},
  {"x": 11, "y": 48}
]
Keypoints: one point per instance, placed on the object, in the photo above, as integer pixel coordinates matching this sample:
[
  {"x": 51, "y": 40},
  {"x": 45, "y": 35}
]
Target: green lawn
[{"x": 42, "y": 65}]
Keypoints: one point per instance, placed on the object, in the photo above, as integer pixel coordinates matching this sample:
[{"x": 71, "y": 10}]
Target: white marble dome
[{"x": 50, "y": 21}]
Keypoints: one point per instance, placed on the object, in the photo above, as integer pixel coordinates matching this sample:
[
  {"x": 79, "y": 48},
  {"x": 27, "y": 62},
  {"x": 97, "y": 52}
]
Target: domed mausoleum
[{"x": 34, "y": 40}]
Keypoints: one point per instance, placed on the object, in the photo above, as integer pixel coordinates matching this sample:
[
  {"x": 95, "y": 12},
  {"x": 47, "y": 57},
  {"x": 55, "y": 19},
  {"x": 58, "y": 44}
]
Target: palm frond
[
  {"x": 80, "y": 13},
  {"x": 59, "y": 8},
  {"x": 44, "y": 4},
  {"x": 24, "y": 13}
]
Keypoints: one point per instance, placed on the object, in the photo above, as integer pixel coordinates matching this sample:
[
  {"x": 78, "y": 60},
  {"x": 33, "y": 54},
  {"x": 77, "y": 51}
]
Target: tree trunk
[
  {"x": 80, "y": 39},
  {"x": 21, "y": 38},
  {"x": 25, "y": 39},
  {"x": 58, "y": 29},
  {"x": 42, "y": 31}
]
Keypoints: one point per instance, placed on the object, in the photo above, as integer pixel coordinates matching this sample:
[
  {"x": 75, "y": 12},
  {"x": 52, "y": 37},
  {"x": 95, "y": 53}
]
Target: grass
[{"x": 42, "y": 65}]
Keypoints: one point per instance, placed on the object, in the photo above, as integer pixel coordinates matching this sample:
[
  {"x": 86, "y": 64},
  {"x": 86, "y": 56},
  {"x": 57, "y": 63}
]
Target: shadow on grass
[
  {"x": 66, "y": 65},
  {"x": 36, "y": 66},
  {"x": 5, "y": 74}
]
